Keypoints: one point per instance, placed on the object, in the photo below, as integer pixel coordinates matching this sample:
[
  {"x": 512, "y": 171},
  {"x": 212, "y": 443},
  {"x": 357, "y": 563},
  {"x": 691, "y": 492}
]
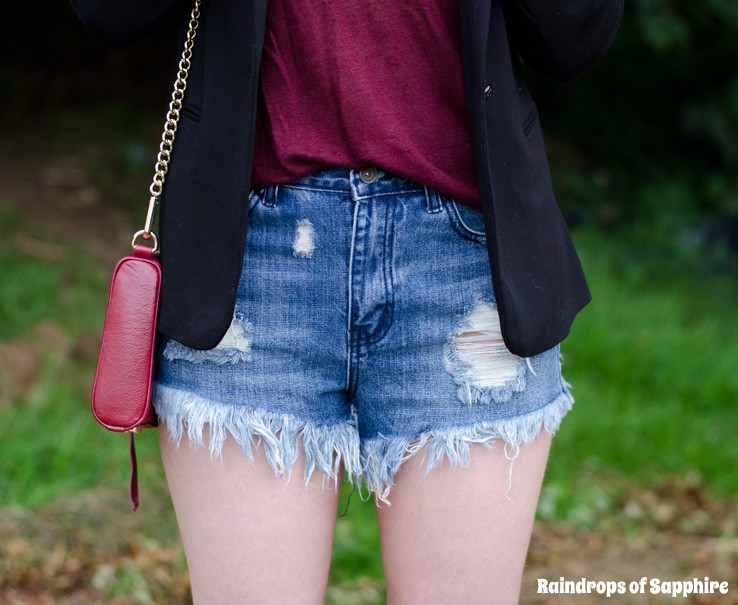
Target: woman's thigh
[
  {"x": 250, "y": 537},
  {"x": 460, "y": 535}
]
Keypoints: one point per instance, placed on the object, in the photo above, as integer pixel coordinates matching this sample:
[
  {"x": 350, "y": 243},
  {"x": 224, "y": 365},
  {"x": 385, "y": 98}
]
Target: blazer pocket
[
  {"x": 191, "y": 111},
  {"x": 529, "y": 121}
]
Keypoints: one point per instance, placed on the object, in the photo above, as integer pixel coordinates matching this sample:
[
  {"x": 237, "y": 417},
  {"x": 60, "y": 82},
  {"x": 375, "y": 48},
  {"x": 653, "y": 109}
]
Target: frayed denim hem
[
  {"x": 381, "y": 457},
  {"x": 325, "y": 447}
]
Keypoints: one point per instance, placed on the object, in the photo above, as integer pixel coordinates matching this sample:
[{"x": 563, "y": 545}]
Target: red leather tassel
[{"x": 134, "y": 472}]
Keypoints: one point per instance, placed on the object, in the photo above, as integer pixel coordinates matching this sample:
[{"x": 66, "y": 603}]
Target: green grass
[
  {"x": 652, "y": 361},
  {"x": 70, "y": 291}
]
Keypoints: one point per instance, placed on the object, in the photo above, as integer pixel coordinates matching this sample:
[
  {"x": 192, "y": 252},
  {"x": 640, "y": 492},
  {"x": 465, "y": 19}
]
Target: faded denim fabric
[{"x": 366, "y": 325}]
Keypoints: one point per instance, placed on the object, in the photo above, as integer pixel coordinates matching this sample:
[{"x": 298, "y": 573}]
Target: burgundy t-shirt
[{"x": 351, "y": 83}]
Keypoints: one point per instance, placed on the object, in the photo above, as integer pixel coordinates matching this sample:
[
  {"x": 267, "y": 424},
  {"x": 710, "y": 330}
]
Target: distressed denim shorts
[{"x": 366, "y": 325}]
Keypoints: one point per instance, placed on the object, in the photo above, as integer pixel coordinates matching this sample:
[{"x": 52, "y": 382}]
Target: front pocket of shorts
[{"x": 468, "y": 222}]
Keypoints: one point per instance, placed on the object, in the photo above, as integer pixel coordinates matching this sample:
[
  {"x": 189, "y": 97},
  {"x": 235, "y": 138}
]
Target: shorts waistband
[{"x": 367, "y": 182}]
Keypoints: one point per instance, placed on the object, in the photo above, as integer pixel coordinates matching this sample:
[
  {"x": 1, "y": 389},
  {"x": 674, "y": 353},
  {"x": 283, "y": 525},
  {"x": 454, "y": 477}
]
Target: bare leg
[
  {"x": 454, "y": 537},
  {"x": 249, "y": 536}
]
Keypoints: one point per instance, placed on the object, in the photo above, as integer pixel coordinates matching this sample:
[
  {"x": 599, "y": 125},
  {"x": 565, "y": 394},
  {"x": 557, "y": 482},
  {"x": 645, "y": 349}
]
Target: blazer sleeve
[
  {"x": 120, "y": 23},
  {"x": 562, "y": 38}
]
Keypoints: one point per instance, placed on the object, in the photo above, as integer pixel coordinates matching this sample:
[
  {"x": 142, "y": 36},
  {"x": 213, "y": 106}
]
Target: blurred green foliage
[{"x": 660, "y": 110}]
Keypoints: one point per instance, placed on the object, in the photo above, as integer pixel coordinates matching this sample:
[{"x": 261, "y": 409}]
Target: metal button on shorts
[{"x": 369, "y": 175}]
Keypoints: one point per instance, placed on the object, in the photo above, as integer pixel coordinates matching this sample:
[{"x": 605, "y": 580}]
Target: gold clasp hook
[
  {"x": 150, "y": 214},
  {"x": 146, "y": 232},
  {"x": 151, "y": 235}
]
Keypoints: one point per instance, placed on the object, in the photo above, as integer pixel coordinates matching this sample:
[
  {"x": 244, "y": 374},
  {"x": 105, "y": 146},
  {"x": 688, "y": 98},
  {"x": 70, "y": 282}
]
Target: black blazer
[{"x": 535, "y": 270}]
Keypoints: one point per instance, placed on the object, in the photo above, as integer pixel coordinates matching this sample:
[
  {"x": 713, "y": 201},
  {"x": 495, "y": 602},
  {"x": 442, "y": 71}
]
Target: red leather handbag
[{"x": 121, "y": 393}]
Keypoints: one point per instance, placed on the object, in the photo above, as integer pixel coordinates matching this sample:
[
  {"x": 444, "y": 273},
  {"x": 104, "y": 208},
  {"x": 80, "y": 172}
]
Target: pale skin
[{"x": 453, "y": 537}]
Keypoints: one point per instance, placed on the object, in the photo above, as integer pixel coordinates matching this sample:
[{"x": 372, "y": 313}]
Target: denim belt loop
[
  {"x": 433, "y": 201},
  {"x": 270, "y": 196}
]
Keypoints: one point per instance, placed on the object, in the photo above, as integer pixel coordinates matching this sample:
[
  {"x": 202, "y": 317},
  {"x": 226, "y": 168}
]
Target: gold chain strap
[{"x": 170, "y": 127}]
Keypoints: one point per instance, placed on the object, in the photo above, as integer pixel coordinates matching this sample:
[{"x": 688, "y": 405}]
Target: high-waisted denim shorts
[{"x": 365, "y": 328}]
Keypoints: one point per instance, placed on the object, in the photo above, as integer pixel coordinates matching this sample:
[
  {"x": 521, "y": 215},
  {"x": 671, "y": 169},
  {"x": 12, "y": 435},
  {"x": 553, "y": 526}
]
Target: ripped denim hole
[
  {"x": 304, "y": 243},
  {"x": 480, "y": 363},
  {"x": 234, "y": 347}
]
